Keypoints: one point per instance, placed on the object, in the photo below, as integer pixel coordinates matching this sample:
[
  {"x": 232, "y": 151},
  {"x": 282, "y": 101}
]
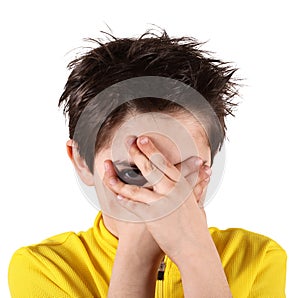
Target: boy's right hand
[
  {"x": 138, "y": 255},
  {"x": 136, "y": 234}
]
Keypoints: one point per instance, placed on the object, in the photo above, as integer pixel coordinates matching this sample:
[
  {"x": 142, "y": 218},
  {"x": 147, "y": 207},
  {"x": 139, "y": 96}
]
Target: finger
[
  {"x": 137, "y": 208},
  {"x": 151, "y": 173},
  {"x": 207, "y": 171},
  {"x": 189, "y": 165},
  {"x": 196, "y": 177},
  {"x": 131, "y": 192},
  {"x": 200, "y": 189},
  {"x": 154, "y": 155},
  {"x": 204, "y": 183}
]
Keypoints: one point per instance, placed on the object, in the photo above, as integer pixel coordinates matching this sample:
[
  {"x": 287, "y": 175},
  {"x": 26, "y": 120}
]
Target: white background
[{"x": 260, "y": 190}]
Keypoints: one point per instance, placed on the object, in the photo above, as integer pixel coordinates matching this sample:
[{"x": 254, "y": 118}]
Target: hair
[{"x": 118, "y": 59}]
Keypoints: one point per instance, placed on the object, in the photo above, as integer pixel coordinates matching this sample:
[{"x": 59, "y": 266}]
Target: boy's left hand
[{"x": 183, "y": 228}]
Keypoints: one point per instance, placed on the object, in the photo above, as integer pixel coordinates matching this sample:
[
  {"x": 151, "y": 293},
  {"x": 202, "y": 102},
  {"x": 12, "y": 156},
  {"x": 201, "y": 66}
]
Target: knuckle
[
  {"x": 167, "y": 164},
  {"x": 171, "y": 184},
  {"x": 148, "y": 167},
  {"x": 202, "y": 175},
  {"x": 207, "y": 170},
  {"x": 188, "y": 170},
  {"x": 116, "y": 188},
  {"x": 122, "y": 189},
  {"x": 133, "y": 190},
  {"x": 205, "y": 179},
  {"x": 133, "y": 151},
  {"x": 198, "y": 190},
  {"x": 161, "y": 162},
  {"x": 166, "y": 184}
]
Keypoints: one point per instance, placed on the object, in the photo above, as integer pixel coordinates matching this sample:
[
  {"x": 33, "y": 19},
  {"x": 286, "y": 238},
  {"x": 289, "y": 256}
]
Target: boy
[{"x": 146, "y": 119}]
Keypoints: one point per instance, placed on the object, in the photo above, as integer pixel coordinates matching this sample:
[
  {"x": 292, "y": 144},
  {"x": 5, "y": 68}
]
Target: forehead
[{"x": 176, "y": 137}]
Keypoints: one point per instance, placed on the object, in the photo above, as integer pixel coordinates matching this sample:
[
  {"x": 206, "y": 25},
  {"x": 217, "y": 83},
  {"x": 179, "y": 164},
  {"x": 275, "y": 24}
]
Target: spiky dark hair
[{"x": 118, "y": 59}]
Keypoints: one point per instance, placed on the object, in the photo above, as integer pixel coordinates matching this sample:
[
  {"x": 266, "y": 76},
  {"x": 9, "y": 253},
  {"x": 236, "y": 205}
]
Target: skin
[{"x": 183, "y": 235}]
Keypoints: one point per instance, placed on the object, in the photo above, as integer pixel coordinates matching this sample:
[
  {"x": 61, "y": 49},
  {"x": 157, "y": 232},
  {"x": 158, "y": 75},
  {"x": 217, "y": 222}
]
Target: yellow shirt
[{"x": 80, "y": 265}]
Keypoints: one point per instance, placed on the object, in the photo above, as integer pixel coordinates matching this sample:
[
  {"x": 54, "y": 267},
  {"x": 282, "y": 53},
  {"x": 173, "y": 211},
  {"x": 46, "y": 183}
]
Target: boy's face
[{"x": 176, "y": 137}]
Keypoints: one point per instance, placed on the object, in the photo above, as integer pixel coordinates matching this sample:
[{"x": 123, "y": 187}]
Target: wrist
[
  {"x": 139, "y": 253},
  {"x": 133, "y": 274},
  {"x": 202, "y": 271},
  {"x": 197, "y": 248}
]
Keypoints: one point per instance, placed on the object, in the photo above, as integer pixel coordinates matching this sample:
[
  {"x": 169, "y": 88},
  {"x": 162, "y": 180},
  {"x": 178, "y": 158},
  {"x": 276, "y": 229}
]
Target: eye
[{"x": 131, "y": 175}]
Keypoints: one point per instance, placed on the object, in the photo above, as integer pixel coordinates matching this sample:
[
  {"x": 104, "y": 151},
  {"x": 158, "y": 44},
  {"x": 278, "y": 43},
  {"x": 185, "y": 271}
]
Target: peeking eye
[{"x": 131, "y": 175}]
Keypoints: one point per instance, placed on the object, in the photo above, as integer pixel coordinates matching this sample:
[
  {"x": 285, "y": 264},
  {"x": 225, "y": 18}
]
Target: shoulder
[
  {"x": 53, "y": 243},
  {"x": 52, "y": 249},
  {"x": 41, "y": 257},
  {"x": 253, "y": 263},
  {"x": 44, "y": 268},
  {"x": 237, "y": 238}
]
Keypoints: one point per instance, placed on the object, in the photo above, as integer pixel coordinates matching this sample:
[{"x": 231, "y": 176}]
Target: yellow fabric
[{"x": 80, "y": 265}]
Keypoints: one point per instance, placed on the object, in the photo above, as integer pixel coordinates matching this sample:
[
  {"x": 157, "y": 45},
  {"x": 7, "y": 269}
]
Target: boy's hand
[{"x": 180, "y": 231}]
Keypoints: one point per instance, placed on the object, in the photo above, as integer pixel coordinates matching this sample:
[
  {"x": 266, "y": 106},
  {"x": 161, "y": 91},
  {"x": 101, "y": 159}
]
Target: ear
[{"x": 79, "y": 164}]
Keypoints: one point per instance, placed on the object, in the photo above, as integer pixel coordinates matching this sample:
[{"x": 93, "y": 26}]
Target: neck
[{"x": 110, "y": 225}]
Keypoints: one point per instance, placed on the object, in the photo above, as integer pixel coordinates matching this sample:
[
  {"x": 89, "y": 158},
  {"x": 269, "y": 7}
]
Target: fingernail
[
  {"x": 130, "y": 141},
  {"x": 120, "y": 197},
  {"x": 143, "y": 140},
  {"x": 198, "y": 162},
  {"x": 112, "y": 181},
  {"x": 106, "y": 166}
]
